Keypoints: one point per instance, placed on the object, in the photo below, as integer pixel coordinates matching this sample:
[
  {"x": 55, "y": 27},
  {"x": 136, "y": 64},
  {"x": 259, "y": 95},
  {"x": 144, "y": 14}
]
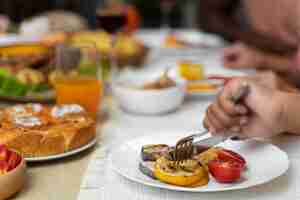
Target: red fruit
[
  {"x": 225, "y": 172},
  {"x": 3, "y": 152},
  {"x": 3, "y": 167},
  {"x": 13, "y": 160},
  {"x": 231, "y": 156}
]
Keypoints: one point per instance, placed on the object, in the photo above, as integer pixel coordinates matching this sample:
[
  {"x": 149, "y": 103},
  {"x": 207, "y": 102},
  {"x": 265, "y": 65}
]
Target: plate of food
[
  {"x": 128, "y": 50},
  {"x": 12, "y": 172},
  {"x": 179, "y": 39},
  {"x": 232, "y": 165},
  {"x": 40, "y": 132},
  {"x": 24, "y": 72},
  {"x": 141, "y": 96},
  {"x": 191, "y": 39},
  {"x": 63, "y": 155},
  {"x": 197, "y": 81}
]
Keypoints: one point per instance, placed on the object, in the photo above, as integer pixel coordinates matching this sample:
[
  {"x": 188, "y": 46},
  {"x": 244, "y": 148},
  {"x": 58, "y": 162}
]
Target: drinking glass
[
  {"x": 111, "y": 17},
  {"x": 81, "y": 84}
]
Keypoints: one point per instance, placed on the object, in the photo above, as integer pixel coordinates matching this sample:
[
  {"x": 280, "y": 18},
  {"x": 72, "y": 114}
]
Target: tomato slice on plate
[
  {"x": 225, "y": 171},
  {"x": 231, "y": 156}
]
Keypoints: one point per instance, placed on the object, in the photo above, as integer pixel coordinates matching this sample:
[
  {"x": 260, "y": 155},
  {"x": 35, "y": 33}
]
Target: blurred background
[{"x": 150, "y": 14}]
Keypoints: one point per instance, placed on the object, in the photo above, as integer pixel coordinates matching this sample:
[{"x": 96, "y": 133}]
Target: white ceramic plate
[
  {"x": 13, "y": 39},
  {"x": 265, "y": 162},
  {"x": 63, "y": 155},
  {"x": 155, "y": 38},
  {"x": 174, "y": 74}
]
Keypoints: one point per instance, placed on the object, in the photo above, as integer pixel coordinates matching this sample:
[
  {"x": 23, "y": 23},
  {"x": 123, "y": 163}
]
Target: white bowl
[
  {"x": 149, "y": 102},
  {"x": 13, "y": 181}
]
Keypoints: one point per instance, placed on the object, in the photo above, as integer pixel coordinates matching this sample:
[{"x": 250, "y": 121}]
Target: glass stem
[{"x": 113, "y": 60}]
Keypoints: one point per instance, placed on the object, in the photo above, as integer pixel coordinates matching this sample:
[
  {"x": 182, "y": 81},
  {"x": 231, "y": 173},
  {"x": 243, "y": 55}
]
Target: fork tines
[{"x": 184, "y": 149}]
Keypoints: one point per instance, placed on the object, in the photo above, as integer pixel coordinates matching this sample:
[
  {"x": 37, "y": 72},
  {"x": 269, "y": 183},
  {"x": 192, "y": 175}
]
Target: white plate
[
  {"x": 63, "y": 155},
  {"x": 12, "y": 39},
  {"x": 197, "y": 37},
  {"x": 174, "y": 74},
  {"x": 156, "y": 38},
  {"x": 265, "y": 162}
]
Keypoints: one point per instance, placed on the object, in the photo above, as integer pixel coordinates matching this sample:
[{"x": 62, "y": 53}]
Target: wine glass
[{"x": 112, "y": 18}]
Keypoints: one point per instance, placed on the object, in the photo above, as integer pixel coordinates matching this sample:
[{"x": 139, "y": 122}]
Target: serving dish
[
  {"x": 24, "y": 71},
  {"x": 36, "y": 130},
  {"x": 13, "y": 172},
  {"x": 158, "y": 39},
  {"x": 133, "y": 99},
  {"x": 63, "y": 155},
  {"x": 125, "y": 160}
]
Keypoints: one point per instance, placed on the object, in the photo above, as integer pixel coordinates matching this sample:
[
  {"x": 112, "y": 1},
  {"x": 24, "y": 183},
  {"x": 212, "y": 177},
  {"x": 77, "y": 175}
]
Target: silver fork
[{"x": 184, "y": 148}]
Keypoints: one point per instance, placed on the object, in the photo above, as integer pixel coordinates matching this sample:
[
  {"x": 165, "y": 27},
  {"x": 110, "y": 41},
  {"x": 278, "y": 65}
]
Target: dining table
[{"x": 89, "y": 175}]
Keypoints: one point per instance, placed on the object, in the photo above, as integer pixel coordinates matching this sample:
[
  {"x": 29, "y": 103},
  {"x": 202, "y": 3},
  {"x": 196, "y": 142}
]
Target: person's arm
[
  {"x": 291, "y": 112},
  {"x": 278, "y": 63},
  {"x": 217, "y": 16}
]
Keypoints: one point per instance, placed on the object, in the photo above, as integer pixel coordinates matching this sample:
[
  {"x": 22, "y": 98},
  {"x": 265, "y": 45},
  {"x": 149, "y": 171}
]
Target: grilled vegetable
[
  {"x": 147, "y": 168},
  {"x": 207, "y": 156},
  {"x": 189, "y": 173},
  {"x": 153, "y": 152},
  {"x": 225, "y": 171}
]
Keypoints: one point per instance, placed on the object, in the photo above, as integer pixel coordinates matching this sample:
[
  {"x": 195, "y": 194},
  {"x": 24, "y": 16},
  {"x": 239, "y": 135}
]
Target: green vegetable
[
  {"x": 40, "y": 87},
  {"x": 4, "y": 72},
  {"x": 11, "y": 86}
]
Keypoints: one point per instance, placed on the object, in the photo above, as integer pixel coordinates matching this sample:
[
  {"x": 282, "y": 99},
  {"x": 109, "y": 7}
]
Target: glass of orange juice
[{"x": 83, "y": 84}]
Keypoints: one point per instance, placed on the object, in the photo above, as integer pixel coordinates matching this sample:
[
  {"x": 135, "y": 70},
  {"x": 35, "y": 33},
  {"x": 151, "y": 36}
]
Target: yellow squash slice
[{"x": 189, "y": 174}]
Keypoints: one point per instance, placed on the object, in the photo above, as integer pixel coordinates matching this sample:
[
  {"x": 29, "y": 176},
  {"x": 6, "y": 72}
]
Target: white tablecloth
[{"x": 102, "y": 183}]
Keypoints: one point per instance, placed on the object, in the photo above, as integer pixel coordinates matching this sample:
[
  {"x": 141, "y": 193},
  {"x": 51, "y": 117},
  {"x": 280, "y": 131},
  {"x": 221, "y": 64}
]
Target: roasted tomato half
[
  {"x": 225, "y": 171},
  {"x": 231, "y": 156},
  {"x": 189, "y": 174}
]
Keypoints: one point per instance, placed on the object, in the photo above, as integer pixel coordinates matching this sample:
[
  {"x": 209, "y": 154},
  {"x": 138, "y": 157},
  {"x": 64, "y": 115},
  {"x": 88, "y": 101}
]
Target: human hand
[
  {"x": 273, "y": 81},
  {"x": 258, "y": 115},
  {"x": 240, "y": 55}
]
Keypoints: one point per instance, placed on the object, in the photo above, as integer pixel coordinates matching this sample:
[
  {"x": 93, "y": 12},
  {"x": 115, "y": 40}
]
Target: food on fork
[
  {"x": 36, "y": 130},
  {"x": 157, "y": 162}
]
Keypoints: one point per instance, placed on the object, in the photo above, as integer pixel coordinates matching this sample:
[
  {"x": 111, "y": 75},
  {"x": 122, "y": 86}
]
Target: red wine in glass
[{"x": 111, "y": 23}]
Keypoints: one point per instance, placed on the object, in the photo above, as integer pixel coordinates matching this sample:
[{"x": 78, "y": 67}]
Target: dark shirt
[
  {"x": 18, "y": 10},
  {"x": 151, "y": 13}
]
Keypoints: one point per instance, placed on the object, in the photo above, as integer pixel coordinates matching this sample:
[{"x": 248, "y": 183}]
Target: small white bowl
[
  {"x": 148, "y": 102},
  {"x": 13, "y": 181}
]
